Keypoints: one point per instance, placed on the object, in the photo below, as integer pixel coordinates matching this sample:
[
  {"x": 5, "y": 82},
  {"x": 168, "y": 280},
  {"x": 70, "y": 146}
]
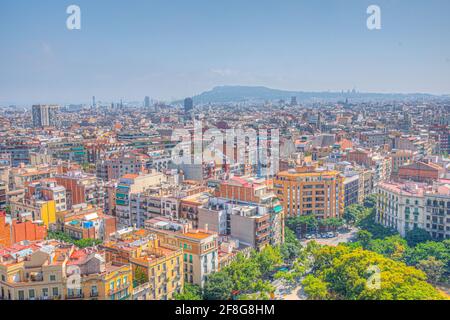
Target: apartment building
[
  {"x": 437, "y": 211},
  {"x": 310, "y": 190},
  {"x": 34, "y": 272},
  {"x": 157, "y": 267},
  {"x": 47, "y": 189},
  {"x": 82, "y": 188},
  {"x": 200, "y": 247},
  {"x": 401, "y": 206},
  {"x": 421, "y": 171},
  {"x": 86, "y": 222},
  {"x": 96, "y": 278},
  {"x": 3, "y": 191},
  {"x": 128, "y": 193},
  {"x": 119, "y": 165}
]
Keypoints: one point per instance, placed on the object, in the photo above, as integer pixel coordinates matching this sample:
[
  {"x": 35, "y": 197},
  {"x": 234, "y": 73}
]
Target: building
[
  {"x": 47, "y": 189},
  {"x": 82, "y": 188},
  {"x": 129, "y": 188},
  {"x": 310, "y": 190},
  {"x": 400, "y": 206},
  {"x": 437, "y": 211},
  {"x": 86, "y": 222},
  {"x": 200, "y": 247},
  {"x": 400, "y": 158},
  {"x": 252, "y": 224},
  {"x": 3, "y": 190},
  {"x": 44, "y": 115},
  {"x": 120, "y": 165},
  {"x": 5, "y": 231},
  {"x": 188, "y": 105},
  {"x": 98, "y": 279},
  {"x": 157, "y": 267},
  {"x": 351, "y": 189},
  {"x": 421, "y": 171},
  {"x": 35, "y": 271},
  {"x": 41, "y": 210}
]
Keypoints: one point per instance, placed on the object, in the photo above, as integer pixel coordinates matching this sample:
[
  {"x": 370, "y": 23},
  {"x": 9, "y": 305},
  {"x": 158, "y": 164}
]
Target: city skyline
[{"x": 293, "y": 45}]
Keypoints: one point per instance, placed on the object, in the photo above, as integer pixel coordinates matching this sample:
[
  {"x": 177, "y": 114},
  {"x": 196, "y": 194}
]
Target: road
[{"x": 341, "y": 238}]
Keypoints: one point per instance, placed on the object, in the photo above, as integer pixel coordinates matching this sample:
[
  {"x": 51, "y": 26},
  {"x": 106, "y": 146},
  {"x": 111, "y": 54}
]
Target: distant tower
[
  {"x": 147, "y": 102},
  {"x": 94, "y": 103},
  {"x": 188, "y": 105},
  {"x": 294, "y": 101}
]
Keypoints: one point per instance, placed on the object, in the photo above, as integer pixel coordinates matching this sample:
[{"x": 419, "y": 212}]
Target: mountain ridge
[{"x": 239, "y": 93}]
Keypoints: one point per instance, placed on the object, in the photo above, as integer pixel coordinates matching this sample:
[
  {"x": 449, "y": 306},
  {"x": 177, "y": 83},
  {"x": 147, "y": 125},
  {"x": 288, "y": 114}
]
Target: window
[
  {"x": 52, "y": 278},
  {"x": 31, "y": 294},
  {"x": 55, "y": 291},
  {"x": 21, "y": 295},
  {"x": 45, "y": 292}
]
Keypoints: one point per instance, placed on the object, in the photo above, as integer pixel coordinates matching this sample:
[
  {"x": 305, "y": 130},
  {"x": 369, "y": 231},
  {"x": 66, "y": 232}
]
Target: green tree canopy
[
  {"x": 348, "y": 273},
  {"x": 219, "y": 286},
  {"x": 190, "y": 292},
  {"x": 416, "y": 236}
]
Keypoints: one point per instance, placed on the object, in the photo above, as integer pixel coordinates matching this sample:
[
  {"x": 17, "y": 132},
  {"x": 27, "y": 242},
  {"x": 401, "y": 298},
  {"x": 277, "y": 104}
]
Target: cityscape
[{"x": 231, "y": 192}]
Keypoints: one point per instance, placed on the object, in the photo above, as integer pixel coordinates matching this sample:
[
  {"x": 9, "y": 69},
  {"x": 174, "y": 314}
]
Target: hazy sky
[{"x": 174, "y": 48}]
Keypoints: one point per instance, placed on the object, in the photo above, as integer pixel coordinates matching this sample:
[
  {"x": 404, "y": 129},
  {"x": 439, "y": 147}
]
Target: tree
[
  {"x": 8, "y": 210},
  {"x": 416, "y": 236},
  {"x": 424, "y": 250},
  {"x": 268, "y": 259},
  {"x": 392, "y": 247},
  {"x": 140, "y": 275},
  {"x": 370, "y": 201},
  {"x": 243, "y": 272},
  {"x": 218, "y": 286},
  {"x": 315, "y": 288},
  {"x": 348, "y": 272},
  {"x": 433, "y": 268},
  {"x": 291, "y": 248},
  {"x": 190, "y": 292},
  {"x": 364, "y": 237}
]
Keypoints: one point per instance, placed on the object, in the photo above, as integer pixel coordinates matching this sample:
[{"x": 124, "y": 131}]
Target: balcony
[
  {"x": 75, "y": 296},
  {"x": 118, "y": 288}
]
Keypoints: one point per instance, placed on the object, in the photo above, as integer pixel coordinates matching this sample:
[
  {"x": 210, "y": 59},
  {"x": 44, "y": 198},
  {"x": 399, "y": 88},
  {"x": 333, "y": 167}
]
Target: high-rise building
[
  {"x": 294, "y": 101},
  {"x": 188, "y": 105},
  {"x": 147, "y": 102},
  {"x": 44, "y": 115}
]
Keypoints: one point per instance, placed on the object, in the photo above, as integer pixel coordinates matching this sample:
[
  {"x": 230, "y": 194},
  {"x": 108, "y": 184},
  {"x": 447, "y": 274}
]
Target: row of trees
[
  {"x": 348, "y": 273},
  {"x": 309, "y": 223},
  {"x": 82, "y": 243}
]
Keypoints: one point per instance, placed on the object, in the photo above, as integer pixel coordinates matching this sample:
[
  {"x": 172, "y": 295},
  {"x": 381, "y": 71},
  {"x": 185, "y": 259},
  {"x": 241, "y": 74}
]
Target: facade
[
  {"x": 310, "y": 190},
  {"x": 82, "y": 188},
  {"x": 44, "y": 115},
  {"x": 400, "y": 206},
  {"x": 157, "y": 267},
  {"x": 421, "y": 172},
  {"x": 351, "y": 189},
  {"x": 34, "y": 272},
  {"x": 128, "y": 193},
  {"x": 200, "y": 247}
]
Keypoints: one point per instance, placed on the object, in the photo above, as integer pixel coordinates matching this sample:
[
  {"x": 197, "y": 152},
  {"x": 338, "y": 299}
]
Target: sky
[{"x": 169, "y": 49}]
